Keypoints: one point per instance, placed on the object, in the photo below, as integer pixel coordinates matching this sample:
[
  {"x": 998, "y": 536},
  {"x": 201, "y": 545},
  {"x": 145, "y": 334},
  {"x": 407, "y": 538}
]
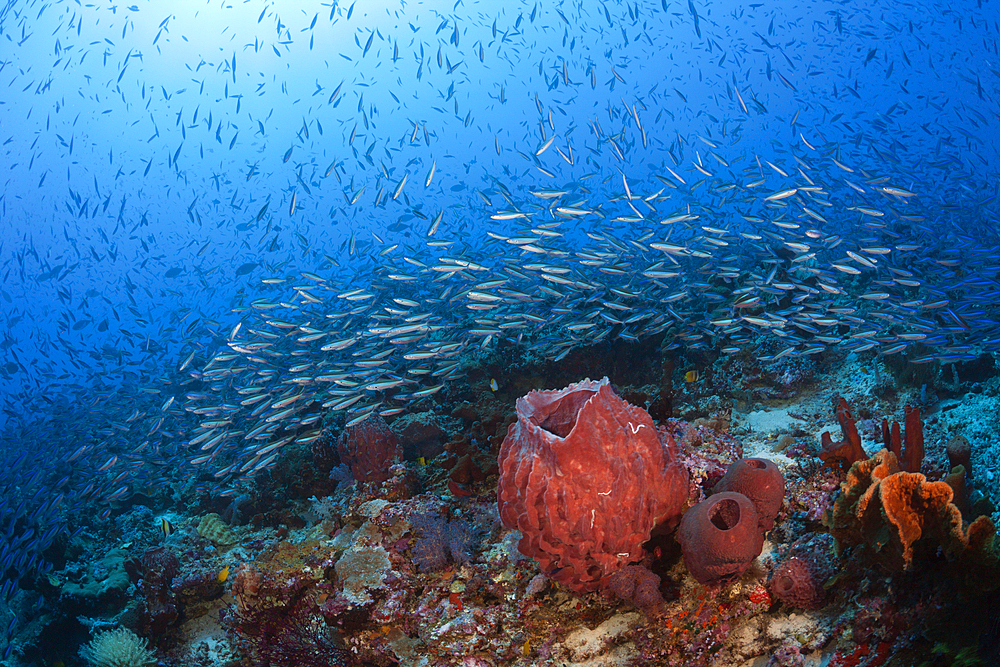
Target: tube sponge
[{"x": 118, "y": 648}]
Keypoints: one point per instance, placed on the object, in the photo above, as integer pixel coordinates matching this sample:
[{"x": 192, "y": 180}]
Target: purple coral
[{"x": 439, "y": 539}]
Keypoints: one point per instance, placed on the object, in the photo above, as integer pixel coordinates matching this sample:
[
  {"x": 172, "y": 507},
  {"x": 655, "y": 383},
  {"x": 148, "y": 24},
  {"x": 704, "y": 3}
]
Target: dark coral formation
[
  {"x": 585, "y": 479},
  {"x": 369, "y": 448},
  {"x": 720, "y": 537},
  {"x": 159, "y": 566}
]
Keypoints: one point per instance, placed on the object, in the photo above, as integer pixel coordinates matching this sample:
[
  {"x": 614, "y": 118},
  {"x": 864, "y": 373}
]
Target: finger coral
[
  {"x": 761, "y": 482},
  {"x": 585, "y": 478},
  {"x": 849, "y": 450},
  {"x": 910, "y": 448},
  {"x": 719, "y": 537}
]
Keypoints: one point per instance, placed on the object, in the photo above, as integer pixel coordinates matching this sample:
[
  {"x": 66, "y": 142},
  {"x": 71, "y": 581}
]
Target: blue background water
[{"x": 91, "y": 101}]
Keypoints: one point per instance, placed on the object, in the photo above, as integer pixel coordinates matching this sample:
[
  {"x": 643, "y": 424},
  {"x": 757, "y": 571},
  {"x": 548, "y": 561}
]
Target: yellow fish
[
  {"x": 493, "y": 384},
  {"x": 166, "y": 527},
  {"x": 691, "y": 376},
  {"x": 223, "y": 574}
]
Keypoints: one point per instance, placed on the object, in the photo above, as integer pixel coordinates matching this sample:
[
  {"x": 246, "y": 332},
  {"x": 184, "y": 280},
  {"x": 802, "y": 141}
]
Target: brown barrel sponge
[
  {"x": 761, "y": 482},
  {"x": 719, "y": 538}
]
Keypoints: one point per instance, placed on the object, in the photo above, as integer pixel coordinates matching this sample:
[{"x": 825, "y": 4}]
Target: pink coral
[
  {"x": 795, "y": 584},
  {"x": 719, "y": 537},
  {"x": 585, "y": 479},
  {"x": 369, "y": 448}
]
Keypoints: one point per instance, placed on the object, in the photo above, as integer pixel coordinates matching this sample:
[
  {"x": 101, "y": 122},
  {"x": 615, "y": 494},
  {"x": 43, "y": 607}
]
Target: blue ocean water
[{"x": 222, "y": 221}]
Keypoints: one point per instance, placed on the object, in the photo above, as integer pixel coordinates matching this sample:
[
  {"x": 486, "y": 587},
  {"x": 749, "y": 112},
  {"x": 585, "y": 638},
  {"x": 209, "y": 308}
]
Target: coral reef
[
  {"x": 585, "y": 479},
  {"x": 424, "y": 569}
]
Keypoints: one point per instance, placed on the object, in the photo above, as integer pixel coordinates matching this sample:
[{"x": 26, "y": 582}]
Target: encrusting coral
[
  {"x": 888, "y": 513},
  {"x": 213, "y": 528},
  {"x": 585, "y": 478}
]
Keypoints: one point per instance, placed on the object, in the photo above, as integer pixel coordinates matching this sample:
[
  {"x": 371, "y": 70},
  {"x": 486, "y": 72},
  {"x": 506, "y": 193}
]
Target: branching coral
[{"x": 849, "y": 450}]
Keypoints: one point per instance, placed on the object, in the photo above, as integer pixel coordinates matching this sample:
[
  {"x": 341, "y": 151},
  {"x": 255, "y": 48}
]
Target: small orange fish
[{"x": 691, "y": 376}]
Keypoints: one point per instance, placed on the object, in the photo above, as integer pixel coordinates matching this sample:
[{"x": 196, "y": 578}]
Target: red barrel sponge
[
  {"x": 719, "y": 538},
  {"x": 761, "y": 482},
  {"x": 585, "y": 478}
]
